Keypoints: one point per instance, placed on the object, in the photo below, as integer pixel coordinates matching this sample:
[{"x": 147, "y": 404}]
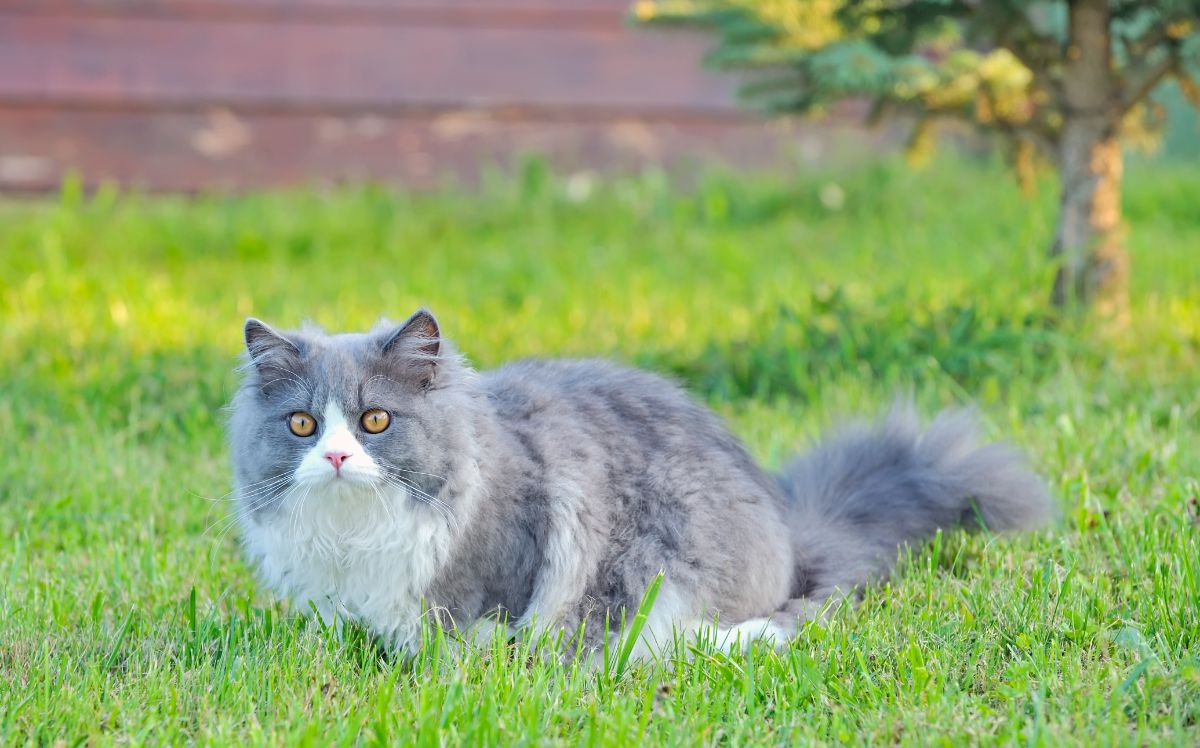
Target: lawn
[{"x": 128, "y": 616}]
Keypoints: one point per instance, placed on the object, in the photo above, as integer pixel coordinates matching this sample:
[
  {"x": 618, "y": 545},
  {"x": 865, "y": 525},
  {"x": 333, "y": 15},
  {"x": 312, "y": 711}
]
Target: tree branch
[
  {"x": 1042, "y": 137},
  {"x": 1134, "y": 92},
  {"x": 1137, "y": 48}
]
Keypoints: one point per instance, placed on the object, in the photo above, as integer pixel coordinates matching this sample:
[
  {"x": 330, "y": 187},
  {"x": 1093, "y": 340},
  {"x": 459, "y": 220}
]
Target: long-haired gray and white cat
[{"x": 380, "y": 479}]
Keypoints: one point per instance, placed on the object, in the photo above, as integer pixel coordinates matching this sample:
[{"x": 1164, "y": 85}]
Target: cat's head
[{"x": 370, "y": 418}]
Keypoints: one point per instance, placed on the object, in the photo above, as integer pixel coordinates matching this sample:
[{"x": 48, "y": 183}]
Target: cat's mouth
[{"x": 347, "y": 475}]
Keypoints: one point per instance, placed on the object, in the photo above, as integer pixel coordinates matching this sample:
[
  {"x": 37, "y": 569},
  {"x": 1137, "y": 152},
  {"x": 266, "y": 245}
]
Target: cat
[{"x": 380, "y": 479}]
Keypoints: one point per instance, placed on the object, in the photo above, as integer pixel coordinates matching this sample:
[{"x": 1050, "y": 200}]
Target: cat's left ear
[{"x": 416, "y": 344}]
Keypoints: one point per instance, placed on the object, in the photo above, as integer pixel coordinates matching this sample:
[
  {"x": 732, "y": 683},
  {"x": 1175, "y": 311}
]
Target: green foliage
[
  {"x": 996, "y": 65},
  {"x": 827, "y": 334},
  {"x": 128, "y": 616}
]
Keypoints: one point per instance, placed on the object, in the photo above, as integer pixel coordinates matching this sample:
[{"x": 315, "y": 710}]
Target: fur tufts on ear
[
  {"x": 269, "y": 349},
  {"x": 419, "y": 332},
  {"x": 416, "y": 343}
]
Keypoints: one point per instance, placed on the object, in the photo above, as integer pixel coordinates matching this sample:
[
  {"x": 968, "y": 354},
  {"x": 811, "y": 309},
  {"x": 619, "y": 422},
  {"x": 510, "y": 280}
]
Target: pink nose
[{"x": 337, "y": 458}]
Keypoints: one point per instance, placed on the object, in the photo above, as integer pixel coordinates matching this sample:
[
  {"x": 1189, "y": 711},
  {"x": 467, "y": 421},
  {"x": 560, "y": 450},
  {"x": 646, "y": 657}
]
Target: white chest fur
[{"x": 353, "y": 552}]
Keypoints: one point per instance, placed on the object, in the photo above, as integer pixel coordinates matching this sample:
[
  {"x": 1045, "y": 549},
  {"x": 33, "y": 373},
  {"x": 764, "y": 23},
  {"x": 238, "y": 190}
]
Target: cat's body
[{"x": 553, "y": 492}]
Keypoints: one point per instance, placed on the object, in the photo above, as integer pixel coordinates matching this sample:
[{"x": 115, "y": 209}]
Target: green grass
[{"x": 128, "y": 616}]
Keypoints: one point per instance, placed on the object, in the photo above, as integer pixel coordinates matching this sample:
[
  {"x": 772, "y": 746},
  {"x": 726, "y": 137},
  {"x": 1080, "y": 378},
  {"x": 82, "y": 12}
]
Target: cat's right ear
[{"x": 269, "y": 349}]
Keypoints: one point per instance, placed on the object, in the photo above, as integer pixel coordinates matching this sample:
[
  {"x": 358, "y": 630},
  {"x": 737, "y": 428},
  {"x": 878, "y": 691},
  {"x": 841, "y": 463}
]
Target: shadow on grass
[{"x": 894, "y": 340}]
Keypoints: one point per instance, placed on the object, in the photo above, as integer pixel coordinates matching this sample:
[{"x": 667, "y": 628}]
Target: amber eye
[
  {"x": 375, "y": 420},
  {"x": 302, "y": 424}
]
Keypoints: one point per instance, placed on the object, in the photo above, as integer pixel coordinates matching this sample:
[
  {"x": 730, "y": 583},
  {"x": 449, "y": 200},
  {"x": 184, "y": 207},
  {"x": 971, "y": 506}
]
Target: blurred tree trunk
[{"x": 1089, "y": 243}]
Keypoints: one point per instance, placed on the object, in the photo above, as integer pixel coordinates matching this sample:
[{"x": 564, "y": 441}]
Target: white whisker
[
  {"x": 442, "y": 508},
  {"x": 245, "y": 490},
  {"x": 418, "y": 472},
  {"x": 383, "y": 502}
]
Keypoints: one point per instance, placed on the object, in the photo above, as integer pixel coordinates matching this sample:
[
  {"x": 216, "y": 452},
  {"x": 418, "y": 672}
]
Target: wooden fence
[{"x": 184, "y": 95}]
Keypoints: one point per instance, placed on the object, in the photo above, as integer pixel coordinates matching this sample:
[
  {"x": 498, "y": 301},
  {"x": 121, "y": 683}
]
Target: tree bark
[{"x": 1089, "y": 246}]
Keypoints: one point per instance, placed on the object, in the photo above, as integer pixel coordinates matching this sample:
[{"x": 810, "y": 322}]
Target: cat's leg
[
  {"x": 661, "y": 642},
  {"x": 816, "y": 606},
  {"x": 570, "y": 556},
  {"x": 675, "y": 619},
  {"x": 674, "y": 614},
  {"x": 676, "y": 626},
  {"x": 324, "y": 611},
  {"x": 785, "y": 624}
]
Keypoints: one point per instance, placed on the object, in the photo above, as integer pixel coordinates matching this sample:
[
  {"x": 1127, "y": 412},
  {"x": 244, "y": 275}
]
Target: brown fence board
[
  {"x": 183, "y": 151},
  {"x": 185, "y": 95},
  {"x": 556, "y": 13},
  {"x": 100, "y": 60}
]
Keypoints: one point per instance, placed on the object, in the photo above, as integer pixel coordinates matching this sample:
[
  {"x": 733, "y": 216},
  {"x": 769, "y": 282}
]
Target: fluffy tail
[{"x": 861, "y": 495}]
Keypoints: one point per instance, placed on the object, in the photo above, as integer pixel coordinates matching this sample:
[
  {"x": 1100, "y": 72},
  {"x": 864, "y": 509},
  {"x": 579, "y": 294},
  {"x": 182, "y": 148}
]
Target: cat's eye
[
  {"x": 302, "y": 424},
  {"x": 375, "y": 420}
]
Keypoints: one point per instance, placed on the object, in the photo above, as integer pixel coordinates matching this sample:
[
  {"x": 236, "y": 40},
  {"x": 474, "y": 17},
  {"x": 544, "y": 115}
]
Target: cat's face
[{"x": 336, "y": 418}]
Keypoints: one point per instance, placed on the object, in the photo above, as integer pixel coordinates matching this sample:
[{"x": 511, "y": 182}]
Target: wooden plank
[
  {"x": 137, "y": 6},
  {"x": 557, "y": 13},
  {"x": 282, "y": 65},
  {"x": 231, "y": 150}
]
